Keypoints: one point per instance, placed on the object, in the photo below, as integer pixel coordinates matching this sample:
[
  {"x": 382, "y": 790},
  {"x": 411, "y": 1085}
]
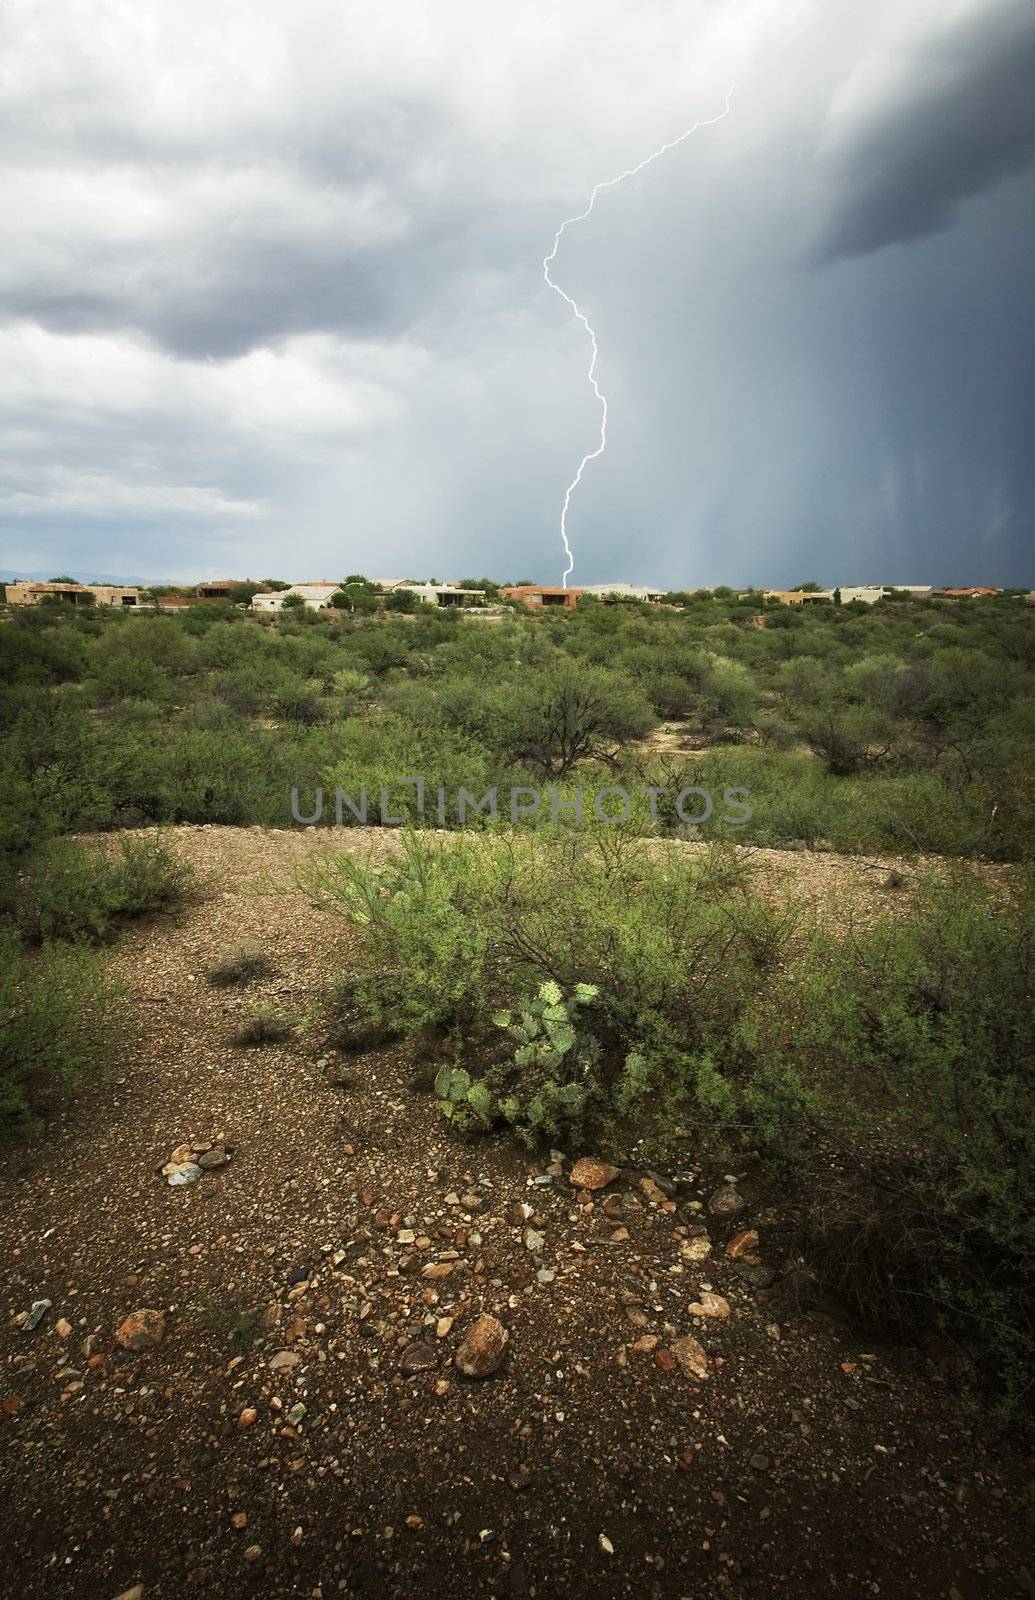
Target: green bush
[
  {"x": 60, "y": 1022},
  {"x": 894, "y": 1078},
  {"x": 70, "y": 891}
]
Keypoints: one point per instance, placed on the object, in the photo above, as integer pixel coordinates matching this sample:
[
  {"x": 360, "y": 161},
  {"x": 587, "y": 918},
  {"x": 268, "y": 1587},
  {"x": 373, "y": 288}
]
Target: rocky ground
[{"x": 352, "y": 1355}]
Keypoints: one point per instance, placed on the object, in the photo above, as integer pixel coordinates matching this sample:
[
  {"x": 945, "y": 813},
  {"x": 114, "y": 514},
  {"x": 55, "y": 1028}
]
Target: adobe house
[
  {"x": 72, "y": 594},
  {"x": 218, "y": 589},
  {"x": 540, "y": 597}
]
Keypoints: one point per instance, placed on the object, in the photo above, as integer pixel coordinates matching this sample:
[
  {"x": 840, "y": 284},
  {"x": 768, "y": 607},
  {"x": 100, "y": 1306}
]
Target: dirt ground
[{"x": 277, "y": 1441}]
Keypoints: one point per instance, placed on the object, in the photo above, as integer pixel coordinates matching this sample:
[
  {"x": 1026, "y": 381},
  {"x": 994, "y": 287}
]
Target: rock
[
  {"x": 726, "y": 1201},
  {"x": 699, "y": 1248},
  {"x": 742, "y": 1244},
  {"x": 183, "y": 1152},
  {"x": 183, "y": 1172},
  {"x": 481, "y": 1349},
  {"x": 284, "y": 1361},
  {"x": 253, "y": 1552},
  {"x": 37, "y": 1311},
  {"x": 534, "y": 1240},
  {"x": 297, "y": 1412},
  {"x": 760, "y": 1463},
  {"x": 141, "y": 1330},
  {"x": 757, "y": 1277},
  {"x": 691, "y": 1357},
  {"x": 62, "y": 1327},
  {"x": 136, "y": 1593},
  {"x": 645, "y": 1344},
  {"x": 443, "y": 1326},
  {"x": 666, "y": 1185},
  {"x": 418, "y": 1357},
  {"x": 437, "y": 1269},
  {"x": 210, "y": 1159},
  {"x": 520, "y": 1479},
  {"x": 589, "y": 1173},
  {"x": 710, "y": 1305},
  {"x": 654, "y": 1193},
  {"x": 247, "y": 1417},
  {"x": 605, "y": 1544}
]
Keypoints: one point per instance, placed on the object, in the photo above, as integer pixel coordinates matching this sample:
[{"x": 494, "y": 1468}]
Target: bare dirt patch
[{"x": 301, "y": 1428}]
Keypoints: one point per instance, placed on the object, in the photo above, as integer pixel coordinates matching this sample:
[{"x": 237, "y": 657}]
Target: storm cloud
[{"x": 271, "y": 293}]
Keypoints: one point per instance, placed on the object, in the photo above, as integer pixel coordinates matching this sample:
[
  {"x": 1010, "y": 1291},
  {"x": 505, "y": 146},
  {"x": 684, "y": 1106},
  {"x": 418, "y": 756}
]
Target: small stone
[
  {"x": 699, "y": 1248},
  {"x": 589, "y": 1173},
  {"x": 760, "y": 1463},
  {"x": 297, "y": 1412},
  {"x": 691, "y": 1357},
  {"x": 645, "y": 1344},
  {"x": 183, "y": 1173},
  {"x": 710, "y": 1305},
  {"x": 239, "y": 1519},
  {"x": 437, "y": 1269},
  {"x": 546, "y": 1274},
  {"x": 284, "y": 1361},
  {"x": 253, "y": 1552},
  {"x": 520, "y": 1479},
  {"x": 37, "y": 1311},
  {"x": 534, "y": 1240},
  {"x": 726, "y": 1201},
  {"x": 758, "y": 1277},
  {"x": 482, "y": 1347},
  {"x": 742, "y": 1243},
  {"x": 209, "y": 1160},
  {"x": 605, "y": 1544},
  {"x": 247, "y": 1417},
  {"x": 62, "y": 1327},
  {"x": 141, "y": 1330},
  {"x": 136, "y": 1593},
  {"x": 418, "y": 1357},
  {"x": 443, "y": 1326}
]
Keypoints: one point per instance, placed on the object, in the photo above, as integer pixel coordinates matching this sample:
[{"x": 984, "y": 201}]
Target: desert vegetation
[{"x": 600, "y": 985}]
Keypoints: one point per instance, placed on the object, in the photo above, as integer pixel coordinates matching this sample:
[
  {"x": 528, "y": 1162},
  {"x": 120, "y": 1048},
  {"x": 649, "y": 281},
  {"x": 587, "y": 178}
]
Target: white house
[{"x": 315, "y": 595}]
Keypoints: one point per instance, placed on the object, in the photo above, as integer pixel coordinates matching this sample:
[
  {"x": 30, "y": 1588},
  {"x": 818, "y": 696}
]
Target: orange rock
[
  {"x": 589, "y": 1173},
  {"x": 481, "y": 1349},
  {"x": 742, "y": 1243},
  {"x": 141, "y": 1330}
]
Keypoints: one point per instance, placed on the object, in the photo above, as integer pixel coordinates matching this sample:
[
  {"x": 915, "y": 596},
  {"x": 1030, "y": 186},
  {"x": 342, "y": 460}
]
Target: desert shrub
[
  {"x": 264, "y": 1027},
  {"x": 239, "y": 964},
  {"x": 455, "y": 930},
  {"x": 69, "y": 891},
  {"x": 425, "y": 951},
  {"x": 893, "y": 1077},
  {"x": 59, "y": 1023}
]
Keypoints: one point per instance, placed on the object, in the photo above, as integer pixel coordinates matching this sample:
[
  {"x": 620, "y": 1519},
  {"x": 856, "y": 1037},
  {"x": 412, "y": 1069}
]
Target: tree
[
  {"x": 293, "y": 602},
  {"x": 63, "y": 579},
  {"x": 276, "y": 584}
]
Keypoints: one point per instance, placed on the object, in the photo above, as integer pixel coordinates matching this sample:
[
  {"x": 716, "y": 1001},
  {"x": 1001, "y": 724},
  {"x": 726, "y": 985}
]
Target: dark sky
[{"x": 272, "y": 301}]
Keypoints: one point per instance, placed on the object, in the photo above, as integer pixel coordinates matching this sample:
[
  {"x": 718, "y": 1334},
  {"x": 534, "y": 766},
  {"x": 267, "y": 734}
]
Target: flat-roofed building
[
  {"x": 542, "y": 597},
  {"x": 73, "y": 594}
]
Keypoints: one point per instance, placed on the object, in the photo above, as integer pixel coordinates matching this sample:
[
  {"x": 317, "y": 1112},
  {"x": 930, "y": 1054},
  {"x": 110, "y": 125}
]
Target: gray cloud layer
[{"x": 271, "y": 293}]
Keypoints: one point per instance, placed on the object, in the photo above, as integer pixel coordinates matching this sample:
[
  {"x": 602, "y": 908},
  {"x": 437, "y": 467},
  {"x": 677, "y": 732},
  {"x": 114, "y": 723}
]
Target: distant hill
[{"x": 83, "y": 575}]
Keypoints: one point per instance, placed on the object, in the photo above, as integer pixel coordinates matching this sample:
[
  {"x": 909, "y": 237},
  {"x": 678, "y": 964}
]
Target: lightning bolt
[{"x": 610, "y": 183}]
